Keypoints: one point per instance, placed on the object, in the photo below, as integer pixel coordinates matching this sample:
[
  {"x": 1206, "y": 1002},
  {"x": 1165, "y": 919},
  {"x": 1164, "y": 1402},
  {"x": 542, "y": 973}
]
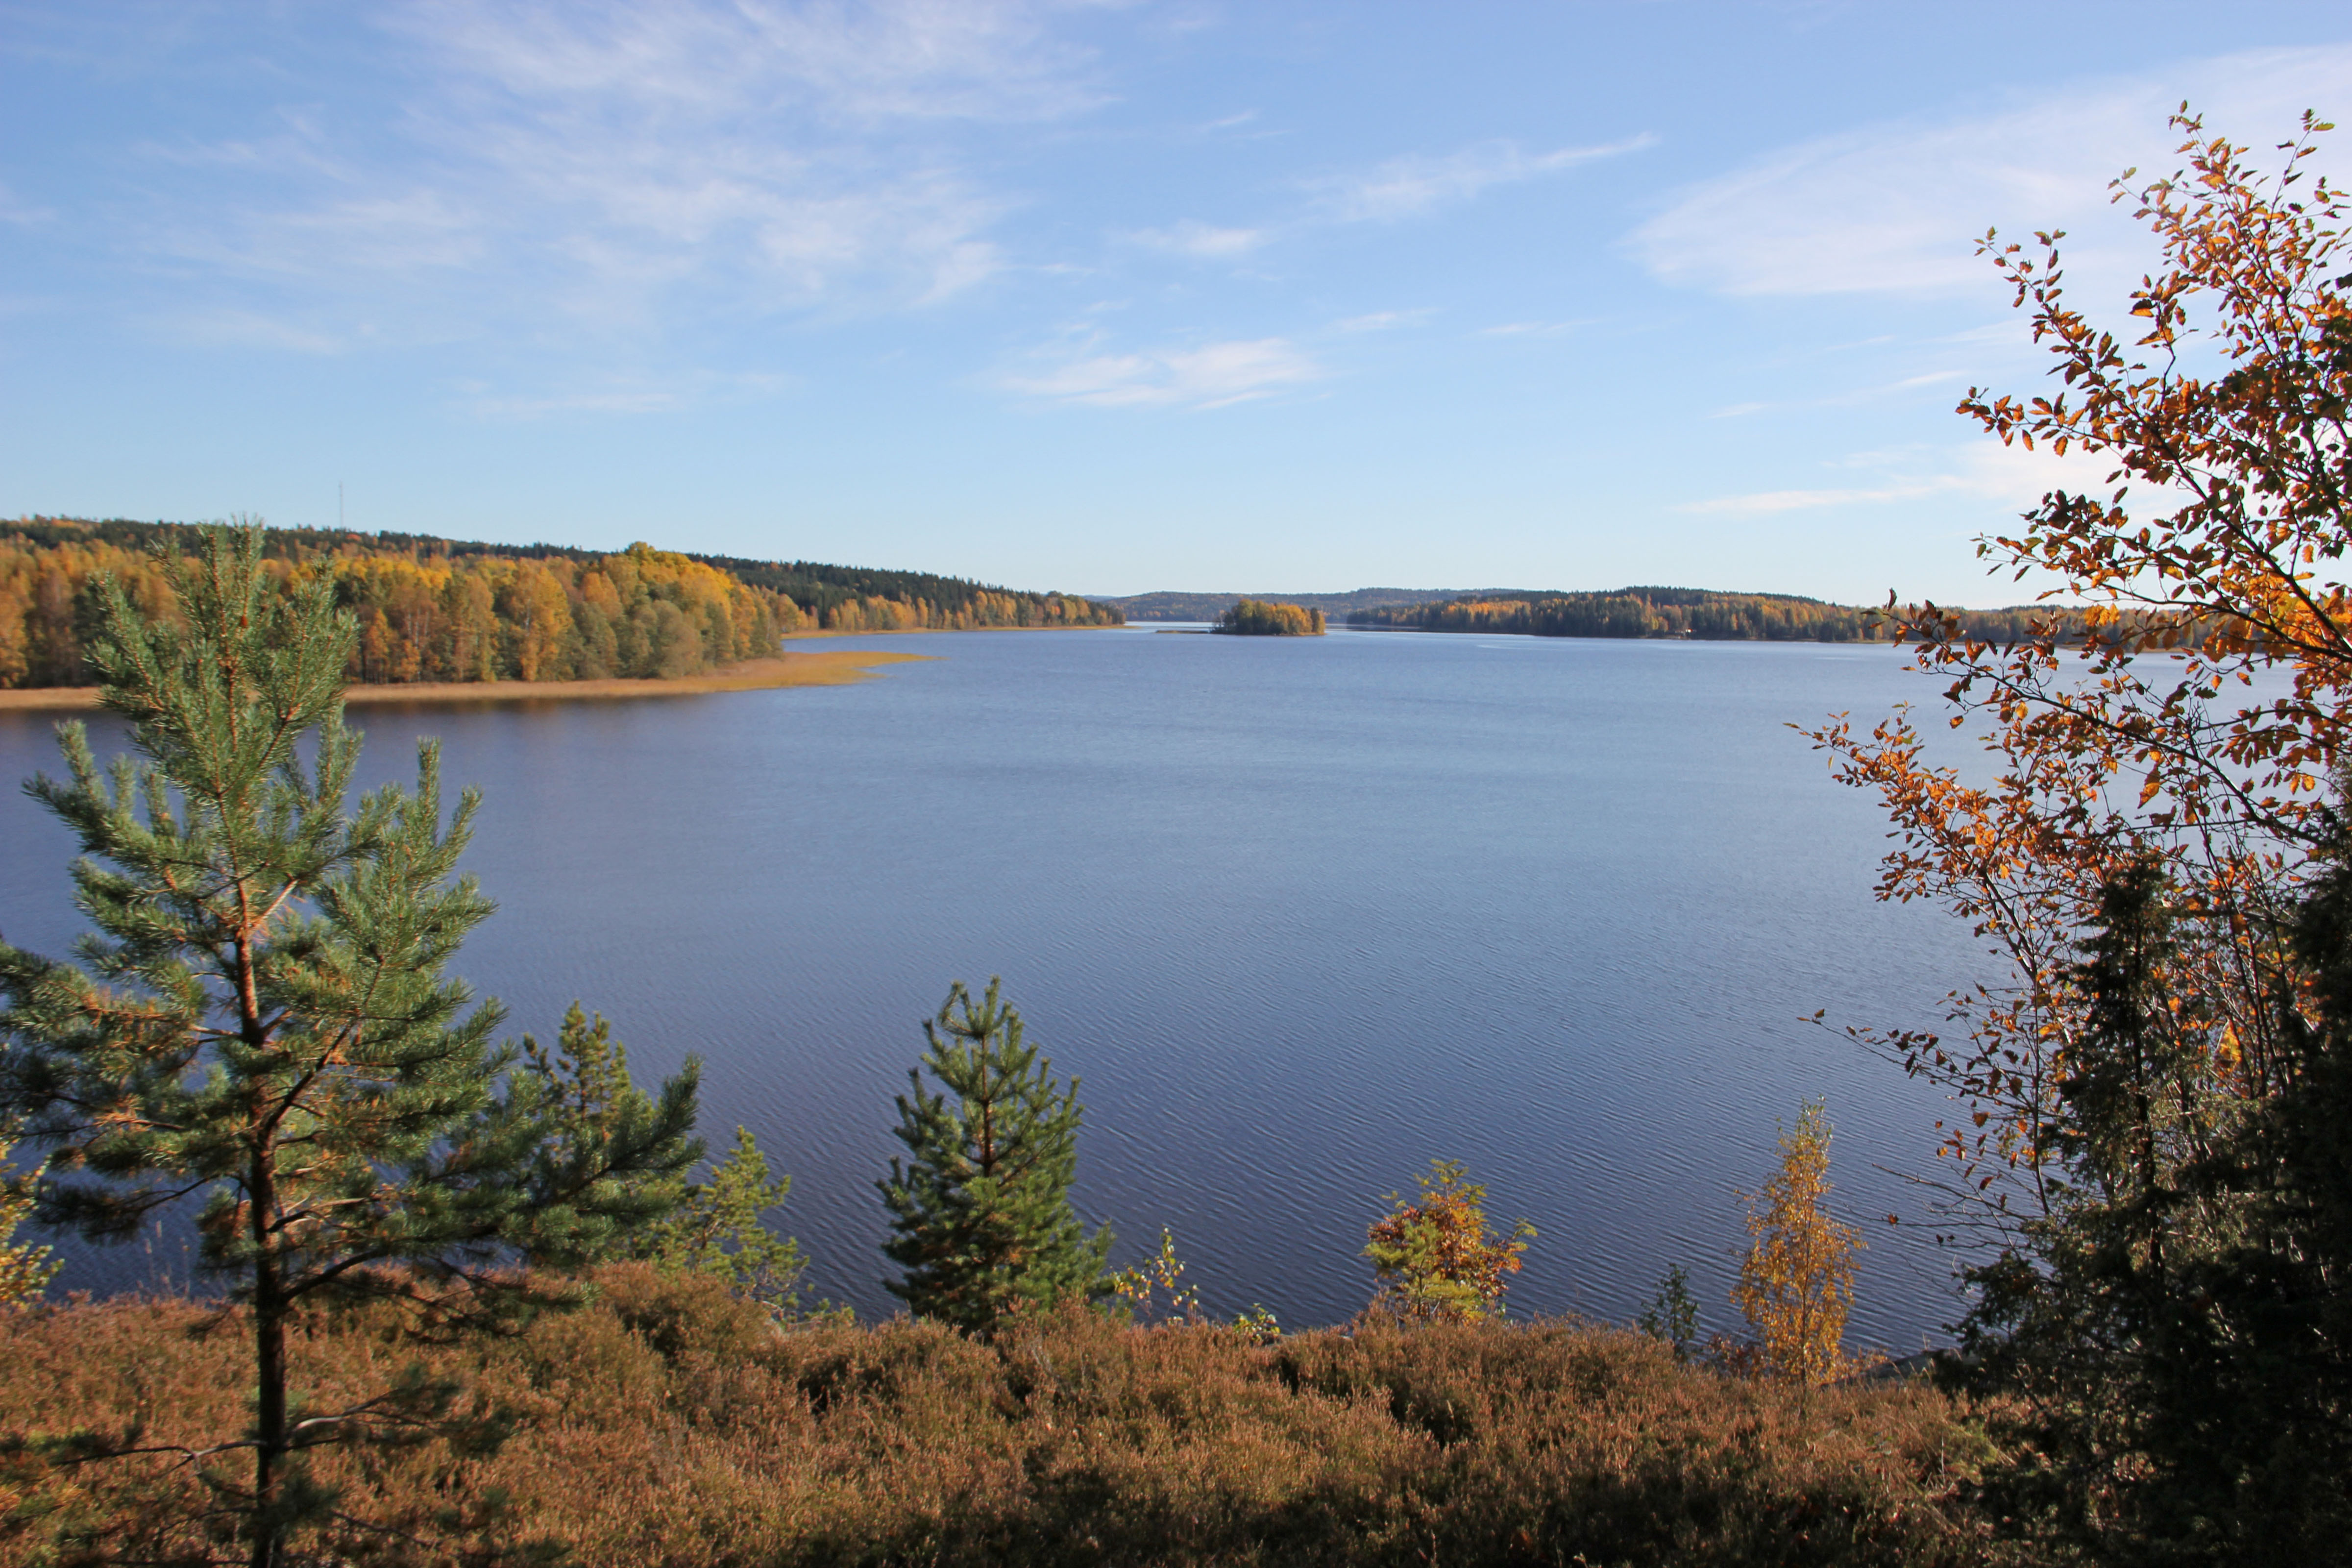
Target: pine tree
[
  {"x": 2176, "y": 1334},
  {"x": 2232, "y": 1347},
  {"x": 716, "y": 1227},
  {"x": 1672, "y": 1316},
  {"x": 981, "y": 1210},
  {"x": 263, "y": 1023},
  {"x": 1797, "y": 1282},
  {"x": 709, "y": 1228},
  {"x": 2249, "y": 1439},
  {"x": 592, "y": 1101},
  {"x": 2091, "y": 1322}
]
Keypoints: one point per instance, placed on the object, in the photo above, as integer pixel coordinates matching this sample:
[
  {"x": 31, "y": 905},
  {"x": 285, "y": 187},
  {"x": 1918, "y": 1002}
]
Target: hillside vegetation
[
  {"x": 1171, "y": 605},
  {"x": 671, "y": 1421},
  {"x": 1698, "y": 613},
  {"x": 441, "y": 610},
  {"x": 853, "y": 598}
]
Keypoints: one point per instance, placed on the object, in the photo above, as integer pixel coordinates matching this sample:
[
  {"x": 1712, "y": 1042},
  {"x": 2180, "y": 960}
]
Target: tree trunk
[{"x": 269, "y": 1367}]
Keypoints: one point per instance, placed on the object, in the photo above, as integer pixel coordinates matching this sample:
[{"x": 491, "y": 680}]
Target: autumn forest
[{"x": 439, "y": 610}]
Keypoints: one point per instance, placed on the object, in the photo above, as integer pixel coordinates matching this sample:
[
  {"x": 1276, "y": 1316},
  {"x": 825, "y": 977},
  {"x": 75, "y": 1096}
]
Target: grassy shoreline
[{"x": 838, "y": 667}]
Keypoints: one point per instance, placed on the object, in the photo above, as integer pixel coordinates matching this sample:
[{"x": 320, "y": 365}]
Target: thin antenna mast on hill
[{"x": 339, "y": 506}]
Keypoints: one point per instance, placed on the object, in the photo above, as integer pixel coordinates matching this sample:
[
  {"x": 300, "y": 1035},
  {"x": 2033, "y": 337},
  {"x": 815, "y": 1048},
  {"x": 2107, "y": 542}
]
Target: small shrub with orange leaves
[{"x": 1433, "y": 1258}]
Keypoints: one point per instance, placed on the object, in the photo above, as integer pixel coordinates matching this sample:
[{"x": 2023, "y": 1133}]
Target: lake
[{"x": 1301, "y": 913}]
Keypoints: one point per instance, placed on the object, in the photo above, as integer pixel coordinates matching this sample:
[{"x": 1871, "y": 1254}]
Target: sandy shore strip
[{"x": 827, "y": 669}]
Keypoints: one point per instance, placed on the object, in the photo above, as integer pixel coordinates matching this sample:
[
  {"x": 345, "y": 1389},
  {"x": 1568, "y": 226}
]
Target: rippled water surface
[{"x": 1302, "y": 914}]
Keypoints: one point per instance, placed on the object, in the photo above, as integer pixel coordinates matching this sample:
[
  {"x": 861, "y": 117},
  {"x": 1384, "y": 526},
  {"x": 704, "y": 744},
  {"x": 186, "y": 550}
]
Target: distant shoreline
[
  {"x": 810, "y": 633},
  {"x": 841, "y": 667}
]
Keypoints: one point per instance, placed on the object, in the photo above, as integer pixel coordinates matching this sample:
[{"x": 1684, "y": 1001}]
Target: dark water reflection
[{"x": 1302, "y": 914}]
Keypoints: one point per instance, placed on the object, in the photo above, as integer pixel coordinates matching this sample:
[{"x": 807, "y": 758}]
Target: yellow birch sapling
[
  {"x": 1140, "y": 1288},
  {"x": 1797, "y": 1283}
]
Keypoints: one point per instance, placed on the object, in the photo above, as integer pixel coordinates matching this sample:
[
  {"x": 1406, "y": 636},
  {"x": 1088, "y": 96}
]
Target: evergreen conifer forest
[{"x": 487, "y": 1302}]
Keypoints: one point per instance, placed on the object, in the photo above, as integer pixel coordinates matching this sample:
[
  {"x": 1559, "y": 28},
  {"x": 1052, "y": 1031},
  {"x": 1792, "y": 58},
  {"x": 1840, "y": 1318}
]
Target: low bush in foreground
[{"x": 668, "y": 1422}]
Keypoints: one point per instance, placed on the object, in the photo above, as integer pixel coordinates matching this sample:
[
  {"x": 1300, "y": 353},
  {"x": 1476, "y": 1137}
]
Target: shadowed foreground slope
[{"x": 669, "y": 1423}]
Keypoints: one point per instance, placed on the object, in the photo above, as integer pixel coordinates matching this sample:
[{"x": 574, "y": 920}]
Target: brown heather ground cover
[{"x": 669, "y": 1423}]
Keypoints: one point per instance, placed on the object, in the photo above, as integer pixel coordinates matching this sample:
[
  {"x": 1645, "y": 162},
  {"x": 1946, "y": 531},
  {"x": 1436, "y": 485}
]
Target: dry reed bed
[
  {"x": 826, "y": 667},
  {"x": 667, "y": 1423}
]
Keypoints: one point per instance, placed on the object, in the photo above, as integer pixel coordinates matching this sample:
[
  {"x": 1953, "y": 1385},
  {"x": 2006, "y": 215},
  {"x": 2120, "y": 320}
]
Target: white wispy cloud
[
  {"x": 1210, "y": 376},
  {"x": 1406, "y": 187},
  {"x": 1198, "y": 239},
  {"x": 1844, "y": 399},
  {"x": 1383, "y": 320},
  {"x": 2009, "y": 476},
  {"x": 780, "y": 149},
  {"x": 615, "y": 395},
  {"x": 405, "y": 232},
  {"x": 230, "y": 328},
  {"x": 1389, "y": 192},
  {"x": 16, "y": 212},
  {"x": 647, "y": 401},
  {"x": 1761, "y": 502},
  {"x": 1897, "y": 207},
  {"x": 599, "y": 165},
  {"x": 881, "y": 60},
  {"x": 1535, "y": 329}
]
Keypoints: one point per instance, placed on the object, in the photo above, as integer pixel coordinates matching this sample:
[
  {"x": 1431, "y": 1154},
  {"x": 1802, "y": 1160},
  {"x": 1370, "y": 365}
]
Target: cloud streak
[
  {"x": 2011, "y": 476},
  {"x": 855, "y": 64},
  {"x": 1407, "y": 187},
  {"x": 1390, "y": 191},
  {"x": 15, "y": 212},
  {"x": 1210, "y": 376},
  {"x": 604, "y": 167},
  {"x": 1843, "y": 399},
  {"x": 1893, "y": 208},
  {"x": 1201, "y": 240},
  {"x": 249, "y": 330}
]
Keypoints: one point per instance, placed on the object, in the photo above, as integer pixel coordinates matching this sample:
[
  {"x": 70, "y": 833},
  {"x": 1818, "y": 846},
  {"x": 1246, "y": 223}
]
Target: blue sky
[{"x": 1100, "y": 297}]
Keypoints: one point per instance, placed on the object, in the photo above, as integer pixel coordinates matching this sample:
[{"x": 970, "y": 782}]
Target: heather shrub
[{"x": 668, "y": 1422}]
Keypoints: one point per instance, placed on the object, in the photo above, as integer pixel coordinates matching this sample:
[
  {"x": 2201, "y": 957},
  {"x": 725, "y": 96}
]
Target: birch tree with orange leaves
[
  {"x": 2190, "y": 712},
  {"x": 2150, "y": 1150}
]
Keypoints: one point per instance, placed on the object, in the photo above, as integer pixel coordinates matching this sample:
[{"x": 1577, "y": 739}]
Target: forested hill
[
  {"x": 830, "y": 592},
  {"x": 1697, "y": 613},
  {"x": 440, "y": 609},
  {"x": 1184, "y": 606}
]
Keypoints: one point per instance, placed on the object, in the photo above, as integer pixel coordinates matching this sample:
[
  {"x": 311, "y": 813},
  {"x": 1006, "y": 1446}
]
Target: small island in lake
[{"x": 1259, "y": 618}]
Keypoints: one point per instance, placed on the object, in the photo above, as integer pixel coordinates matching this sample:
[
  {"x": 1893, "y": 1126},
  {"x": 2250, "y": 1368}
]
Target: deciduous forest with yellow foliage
[
  {"x": 437, "y": 610},
  {"x": 1260, "y": 618}
]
